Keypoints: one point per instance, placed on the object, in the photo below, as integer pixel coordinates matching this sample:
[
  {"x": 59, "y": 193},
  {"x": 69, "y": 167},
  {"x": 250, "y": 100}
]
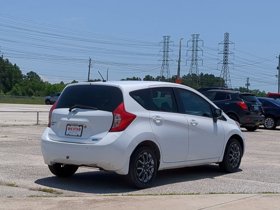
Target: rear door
[
  {"x": 252, "y": 102},
  {"x": 84, "y": 113},
  {"x": 169, "y": 127}
]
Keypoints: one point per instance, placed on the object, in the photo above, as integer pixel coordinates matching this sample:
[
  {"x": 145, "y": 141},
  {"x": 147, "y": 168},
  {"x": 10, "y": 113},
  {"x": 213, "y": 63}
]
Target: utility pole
[
  {"x": 107, "y": 75},
  {"x": 278, "y": 75},
  {"x": 179, "y": 62},
  {"x": 89, "y": 67},
  {"x": 2, "y": 56},
  {"x": 247, "y": 83}
]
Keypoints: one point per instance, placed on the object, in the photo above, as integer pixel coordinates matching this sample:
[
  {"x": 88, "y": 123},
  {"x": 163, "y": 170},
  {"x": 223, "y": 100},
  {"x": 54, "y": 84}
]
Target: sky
[{"x": 56, "y": 38}]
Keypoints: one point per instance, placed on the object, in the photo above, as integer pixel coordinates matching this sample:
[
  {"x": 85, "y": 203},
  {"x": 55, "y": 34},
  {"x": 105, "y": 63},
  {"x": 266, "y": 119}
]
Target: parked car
[
  {"x": 271, "y": 109},
  {"x": 241, "y": 107},
  {"x": 273, "y": 95},
  {"x": 136, "y": 129},
  {"x": 52, "y": 98}
]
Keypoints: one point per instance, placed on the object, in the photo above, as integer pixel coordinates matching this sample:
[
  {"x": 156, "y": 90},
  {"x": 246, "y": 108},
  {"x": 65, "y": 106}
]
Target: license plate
[
  {"x": 74, "y": 130},
  {"x": 256, "y": 108}
]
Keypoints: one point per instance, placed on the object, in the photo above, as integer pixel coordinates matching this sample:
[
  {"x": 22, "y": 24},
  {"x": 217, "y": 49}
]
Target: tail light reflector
[
  {"x": 121, "y": 119},
  {"x": 50, "y": 113},
  {"x": 243, "y": 105}
]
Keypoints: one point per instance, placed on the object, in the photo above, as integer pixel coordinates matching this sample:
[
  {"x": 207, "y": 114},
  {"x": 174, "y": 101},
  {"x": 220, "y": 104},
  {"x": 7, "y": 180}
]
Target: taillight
[
  {"x": 50, "y": 113},
  {"x": 243, "y": 105},
  {"x": 121, "y": 119}
]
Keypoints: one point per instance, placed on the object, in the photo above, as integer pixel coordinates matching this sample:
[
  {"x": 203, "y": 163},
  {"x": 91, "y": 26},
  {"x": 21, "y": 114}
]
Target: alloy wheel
[
  {"x": 234, "y": 155},
  {"x": 145, "y": 167},
  {"x": 269, "y": 123}
]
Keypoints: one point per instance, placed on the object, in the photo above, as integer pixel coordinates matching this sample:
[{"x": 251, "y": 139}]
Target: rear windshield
[
  {"x": 102, "y": 97},
  {"x": 249, "y": 98}
]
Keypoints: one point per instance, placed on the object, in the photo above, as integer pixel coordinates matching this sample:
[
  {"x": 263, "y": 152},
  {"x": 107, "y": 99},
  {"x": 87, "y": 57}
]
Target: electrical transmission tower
[
  {"x": 164, "y": 72},
  {"x": 195, "y": 49},
  {"x": 225, "y": 62},
  {"x": 247, "y": 84}
]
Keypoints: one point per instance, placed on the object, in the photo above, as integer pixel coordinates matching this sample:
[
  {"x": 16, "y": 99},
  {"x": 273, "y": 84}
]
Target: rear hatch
[
  {"x": 84, "y": 113},
  {"x": 254, "y": 105}
]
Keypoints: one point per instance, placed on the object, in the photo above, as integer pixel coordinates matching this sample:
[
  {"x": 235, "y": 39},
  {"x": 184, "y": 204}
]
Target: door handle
[
  {"x": 157, "y": 119},
  {"x": 194, "y": 123}
]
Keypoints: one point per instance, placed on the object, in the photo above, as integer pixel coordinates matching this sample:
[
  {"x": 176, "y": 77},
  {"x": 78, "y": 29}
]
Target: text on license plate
[{"x": 74, "y": 130}]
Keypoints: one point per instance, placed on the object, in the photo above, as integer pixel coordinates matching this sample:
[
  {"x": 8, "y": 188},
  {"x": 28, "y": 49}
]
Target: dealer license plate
[{"x": 74, "y": 130}]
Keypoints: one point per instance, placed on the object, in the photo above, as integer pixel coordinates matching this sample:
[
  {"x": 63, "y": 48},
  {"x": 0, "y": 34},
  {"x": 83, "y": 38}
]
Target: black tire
[
  {"x": 253, "y": 128},
  {"x": 61, "y": 170},
  {"x": 232, "y": 156},
  {"x": 269, "y": 123},
  {"x": 48, "y": 102},
  {"x": 143, "y": 167}
]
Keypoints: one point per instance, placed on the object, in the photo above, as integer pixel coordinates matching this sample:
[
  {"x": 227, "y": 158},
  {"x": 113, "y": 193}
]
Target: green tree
[
  {"x": 132, "y": 78},
  {"x": 10, "y": 75},
  {"x": 148, "y": 78}
]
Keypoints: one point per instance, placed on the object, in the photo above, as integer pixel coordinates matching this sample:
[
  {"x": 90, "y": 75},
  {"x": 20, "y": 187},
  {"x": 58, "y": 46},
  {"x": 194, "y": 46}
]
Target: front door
[{"x": 206, "y": 137}]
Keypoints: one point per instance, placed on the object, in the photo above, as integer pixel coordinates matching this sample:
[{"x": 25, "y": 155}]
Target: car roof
[
  {"x": 222, "y": 90},
  {"x": 247, "y": 94},
  {"x": 131, "y": 84},
  {"x": 266, "y": 98}
]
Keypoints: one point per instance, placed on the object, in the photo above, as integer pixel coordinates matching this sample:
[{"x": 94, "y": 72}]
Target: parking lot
[{"x": 23, "y": 173}]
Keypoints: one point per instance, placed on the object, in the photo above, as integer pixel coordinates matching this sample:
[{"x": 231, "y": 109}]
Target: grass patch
[
  {"x": 21, "y": 99},
  {"x": 46, "y": 190}
]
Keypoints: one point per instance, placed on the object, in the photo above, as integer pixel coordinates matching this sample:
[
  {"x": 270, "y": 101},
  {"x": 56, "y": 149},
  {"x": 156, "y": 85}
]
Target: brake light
[
  {"x": 121, "y": 119},
  {"x": 242, "y": 105},
  {"x": 50, "y": 113}
]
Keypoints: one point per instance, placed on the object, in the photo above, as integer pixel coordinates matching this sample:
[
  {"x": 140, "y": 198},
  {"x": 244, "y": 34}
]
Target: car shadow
[
  {"x": 276, "y": 129},
  {"x": 102, "y": 182}
]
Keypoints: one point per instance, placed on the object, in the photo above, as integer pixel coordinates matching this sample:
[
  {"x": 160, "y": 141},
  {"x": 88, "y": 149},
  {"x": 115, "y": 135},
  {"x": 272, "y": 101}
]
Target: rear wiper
[{"x": 81, "y": 107}]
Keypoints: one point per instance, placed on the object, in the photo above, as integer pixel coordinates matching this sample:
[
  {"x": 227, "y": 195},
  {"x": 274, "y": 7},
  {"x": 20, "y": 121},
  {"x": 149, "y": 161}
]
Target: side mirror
[{"x": 217, "y": 114}]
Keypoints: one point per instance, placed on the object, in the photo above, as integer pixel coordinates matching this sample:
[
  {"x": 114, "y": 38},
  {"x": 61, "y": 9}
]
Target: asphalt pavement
[{"x": 25, "y": 181}]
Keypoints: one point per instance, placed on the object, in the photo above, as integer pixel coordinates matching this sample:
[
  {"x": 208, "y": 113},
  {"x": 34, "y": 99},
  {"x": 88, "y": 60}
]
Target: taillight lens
[
  {"x": 50, "y": 113},
  {"x": 243, "y": 105},
  {"x": 121, "y": 119}
]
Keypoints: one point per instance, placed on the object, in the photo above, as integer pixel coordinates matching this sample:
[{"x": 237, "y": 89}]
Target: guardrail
[{"x": 37, "y": 113}]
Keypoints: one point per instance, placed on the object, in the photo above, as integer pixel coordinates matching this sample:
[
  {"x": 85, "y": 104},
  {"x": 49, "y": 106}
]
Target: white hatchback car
[{"x": 136, "y": 129}]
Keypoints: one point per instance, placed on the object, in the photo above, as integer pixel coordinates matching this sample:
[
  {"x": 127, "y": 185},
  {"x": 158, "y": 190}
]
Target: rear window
[
  {"x": 156, "y": 99},
  {"x": 249, "y": 98},
  {"x": 105, "y": 98},
  {"x": 217, "y": 95},
  {"x": 209, "y": 94}
]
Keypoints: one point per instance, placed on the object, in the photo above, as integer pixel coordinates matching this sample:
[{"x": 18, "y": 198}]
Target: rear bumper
[
  {"x": 109, "y": 153},
  {"x": 251, "y": 120}
]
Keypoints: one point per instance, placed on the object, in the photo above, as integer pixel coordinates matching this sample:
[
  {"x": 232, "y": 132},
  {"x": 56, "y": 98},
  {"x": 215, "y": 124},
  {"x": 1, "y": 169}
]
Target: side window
[
  {"x": 193, "y": 104},
  {"x": 210, "y": 94},
  {"x": 156, "y": 99},
  {"x": 265, "y": 103},
  {"x": 221, "y": 96}
]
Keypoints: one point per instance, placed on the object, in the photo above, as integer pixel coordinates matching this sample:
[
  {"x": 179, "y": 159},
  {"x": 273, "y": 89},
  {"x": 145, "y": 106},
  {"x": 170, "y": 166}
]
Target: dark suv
[
  {"x": 271, "y": 109},
  {"x": 242, "y": 107}
]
